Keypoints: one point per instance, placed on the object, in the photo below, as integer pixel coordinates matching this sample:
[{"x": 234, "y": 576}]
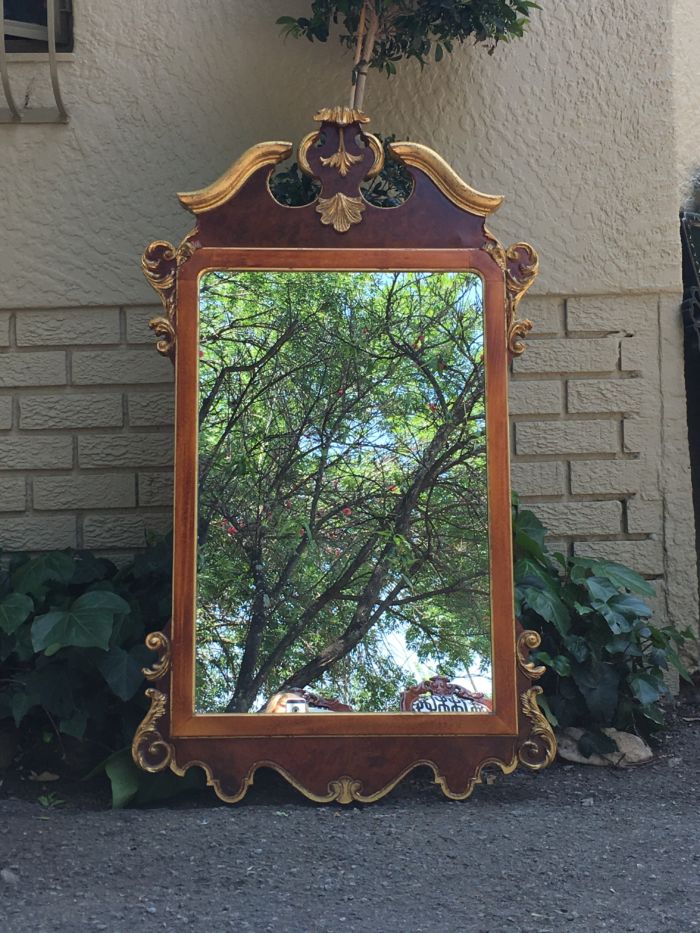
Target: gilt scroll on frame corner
[{"x": 240, "y": 226}]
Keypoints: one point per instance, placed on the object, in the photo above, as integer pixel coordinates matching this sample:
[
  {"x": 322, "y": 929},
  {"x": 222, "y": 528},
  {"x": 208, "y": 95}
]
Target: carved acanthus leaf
[
  {"x": 160, "y": 262},
  {"x": 539, "y": 749},
  {"x": 520, "y": 265},
  {"x": 527, "y": 642},
  {"x": 342, "y": 159},
  {"x": 159, "y": 642},
  {"x": 149, "y": 749}
]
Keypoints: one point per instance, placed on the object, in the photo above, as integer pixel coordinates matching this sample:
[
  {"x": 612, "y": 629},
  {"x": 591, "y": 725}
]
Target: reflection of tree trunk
[
  {"x": 245, "y": 692},
  {"x": 364, "y": 618}
]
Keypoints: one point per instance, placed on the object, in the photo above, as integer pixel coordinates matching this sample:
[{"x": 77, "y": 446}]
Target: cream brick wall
[
  {"x": 599, "y": 449},
  {"x": 85, "y": 439},
  {"x": 592, "y": 177}
]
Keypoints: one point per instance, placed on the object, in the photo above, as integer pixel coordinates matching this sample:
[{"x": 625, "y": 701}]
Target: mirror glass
[{"x": 343, "y": 555}]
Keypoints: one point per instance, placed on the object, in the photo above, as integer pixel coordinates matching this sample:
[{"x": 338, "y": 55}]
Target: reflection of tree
[{"x": 342, "y": 481}]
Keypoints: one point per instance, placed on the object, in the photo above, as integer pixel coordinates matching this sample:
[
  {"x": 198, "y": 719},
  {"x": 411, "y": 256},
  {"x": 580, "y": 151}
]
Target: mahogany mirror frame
[{"x": 353, "y": 757}]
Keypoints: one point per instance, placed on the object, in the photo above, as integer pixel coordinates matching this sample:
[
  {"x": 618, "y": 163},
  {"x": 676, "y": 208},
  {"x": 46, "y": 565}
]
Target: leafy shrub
[
  {"x": 605, "y": 660},
  {"x": 72, "y": 630}
]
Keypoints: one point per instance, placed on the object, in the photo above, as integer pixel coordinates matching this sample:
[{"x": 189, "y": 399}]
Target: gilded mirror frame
[{"x": 439, "y": 227}]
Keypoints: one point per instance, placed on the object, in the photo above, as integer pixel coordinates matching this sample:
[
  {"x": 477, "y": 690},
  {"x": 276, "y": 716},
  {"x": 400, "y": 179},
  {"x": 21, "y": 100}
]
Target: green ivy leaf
[
  {"x": 622, "y": 577},
  {"x": 655, "y": 714},
  {"x": 647, "y": 689},
  {"x": 599, "y": 683},
  {"x": 123, "y": 776},
  {"x": 87, "y": 624},
  {"x": 20, "y": 704},
  {"x": 549, "y": 606},
  {"x": 34, "y": 576},
  {"x": 631, "y": 606},
  {"x": 600, "y": 588},
  {"x": 15, "y": 609},
  {"x": 560, "y": 663},
  {"x": 122, "y": 671},
  {"x": 529, "y": 534},
  {"x": 616, "y": 621},
  {"x": 74, "y": 725},
  {"x": 578, "y": 646}
]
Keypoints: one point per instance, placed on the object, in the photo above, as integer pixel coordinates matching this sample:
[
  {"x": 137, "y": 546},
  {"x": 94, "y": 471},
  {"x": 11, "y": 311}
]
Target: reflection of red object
[
  {"x": 432, "y": 406},
  {"x": 231, "y": 530},
  {"x": 347, "y": 511},
  {"x": 201, "y": 354}
]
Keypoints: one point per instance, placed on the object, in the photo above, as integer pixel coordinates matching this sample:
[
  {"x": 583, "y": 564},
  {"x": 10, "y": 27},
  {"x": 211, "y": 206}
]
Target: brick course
[{"x": 67, "y": 328}]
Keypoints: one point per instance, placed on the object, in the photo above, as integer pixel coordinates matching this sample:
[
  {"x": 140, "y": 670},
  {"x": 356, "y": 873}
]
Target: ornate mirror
[{"x": 343, "y": 595}]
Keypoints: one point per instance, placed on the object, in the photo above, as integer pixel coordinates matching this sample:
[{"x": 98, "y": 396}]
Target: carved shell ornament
[{"x": 341, "y": 155}]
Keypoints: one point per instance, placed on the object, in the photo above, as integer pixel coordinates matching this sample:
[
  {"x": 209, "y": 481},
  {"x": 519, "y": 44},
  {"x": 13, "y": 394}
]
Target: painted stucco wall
[{"x": 587, "y": 128}]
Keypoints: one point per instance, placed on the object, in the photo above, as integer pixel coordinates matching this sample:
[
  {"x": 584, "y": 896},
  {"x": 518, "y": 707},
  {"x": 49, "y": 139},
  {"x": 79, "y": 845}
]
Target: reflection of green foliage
[{"x": 342, "y": 482}]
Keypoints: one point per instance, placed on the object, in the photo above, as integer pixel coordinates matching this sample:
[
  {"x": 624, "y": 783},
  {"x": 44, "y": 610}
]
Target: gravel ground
[{"x": 575, "y": 849}]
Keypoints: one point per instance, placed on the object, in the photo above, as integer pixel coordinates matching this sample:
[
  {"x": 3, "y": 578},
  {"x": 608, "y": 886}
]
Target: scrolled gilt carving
[
  {"x": 527, "y": 642},
  {"x": 539, "y": 749},
  {"x": 160, "y": 262},
  {"x": 149, "y": 749},
  {"x": 520, "y": 265},
  {"x": 159, "y": 642}
]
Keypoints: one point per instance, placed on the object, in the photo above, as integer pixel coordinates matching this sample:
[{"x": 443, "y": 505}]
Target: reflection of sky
[{"x": 475, "y": 677}]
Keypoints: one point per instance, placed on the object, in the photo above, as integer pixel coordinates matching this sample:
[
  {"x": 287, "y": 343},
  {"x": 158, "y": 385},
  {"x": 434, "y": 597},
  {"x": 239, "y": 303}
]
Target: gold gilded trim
[
  {"x": 341, "y": 159},
  {"x": 520, "y": 265},
  {"x": 343, "y": 116},
  {"x": 517, "y": 283},
  {"x": 230, "y": 183},
  {"x": 527, "y": 642},
  {"x": 447, "y": 180},
  {"x": 149, "y": 749},
  {"x": 345, "y": 789},
  {"x": 539, "y": 750},
  {"x": 160, "y": 262},
  {"x": 310, "y": 139},
  {"x": 340, "y": 211},
  {"x": 158, "y": 641}
]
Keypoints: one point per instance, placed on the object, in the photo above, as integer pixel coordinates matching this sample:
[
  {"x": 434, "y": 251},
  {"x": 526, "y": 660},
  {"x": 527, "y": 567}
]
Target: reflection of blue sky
[{"x": 476, "y": 676}]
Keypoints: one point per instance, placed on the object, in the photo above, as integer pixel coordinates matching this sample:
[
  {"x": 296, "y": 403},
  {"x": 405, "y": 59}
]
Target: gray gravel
[{"x": 575, "y": 849}]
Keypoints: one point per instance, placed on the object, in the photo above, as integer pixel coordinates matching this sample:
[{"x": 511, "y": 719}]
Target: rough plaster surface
[
  {"x": 588, "y": 126},
  {"x": 574, "y": 124}
]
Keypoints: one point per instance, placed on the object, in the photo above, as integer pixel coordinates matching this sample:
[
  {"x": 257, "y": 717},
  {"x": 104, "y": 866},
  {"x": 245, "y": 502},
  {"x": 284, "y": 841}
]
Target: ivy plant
[
  {"x": 605, "y": 659},
  {"x": 72, "y": 628}
]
